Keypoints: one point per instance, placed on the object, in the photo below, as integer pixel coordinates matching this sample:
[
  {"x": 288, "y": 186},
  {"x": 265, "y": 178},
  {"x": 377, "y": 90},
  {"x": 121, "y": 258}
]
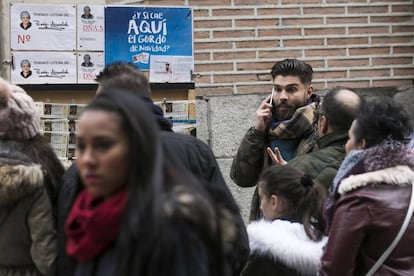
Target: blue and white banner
[{"x": 136, "y": 33}]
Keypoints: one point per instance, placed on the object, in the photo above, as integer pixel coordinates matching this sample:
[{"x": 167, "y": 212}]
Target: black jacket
[{"x": 190, "y": 153}]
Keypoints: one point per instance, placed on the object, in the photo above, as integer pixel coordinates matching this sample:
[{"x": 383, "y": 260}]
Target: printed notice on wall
[
  {"x": 90, "y": 27},
  {"x": 44, "y": 67},
  {"x": 171, "y": 69},
  {"x": 89, "y": 66},
  {"x": 137, "y": 34},
  {"x": 42, "y": 27}
]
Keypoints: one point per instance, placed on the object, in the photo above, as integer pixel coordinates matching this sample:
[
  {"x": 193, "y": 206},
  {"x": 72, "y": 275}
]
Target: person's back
[
  {"x": 195, "y": 155},
  {"x": 26, "y": 219},
  {"x": 29, "y": 171},
  {"x": 334, "y": 119}
]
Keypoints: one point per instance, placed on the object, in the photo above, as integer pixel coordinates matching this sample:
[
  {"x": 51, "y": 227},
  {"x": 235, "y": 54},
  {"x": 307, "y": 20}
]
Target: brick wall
[{"x": 359, "y": 43}]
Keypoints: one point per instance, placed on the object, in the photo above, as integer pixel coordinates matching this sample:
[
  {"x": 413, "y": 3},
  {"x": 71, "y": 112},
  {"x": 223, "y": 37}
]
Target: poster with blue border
[{"x": 136, "y": 33}]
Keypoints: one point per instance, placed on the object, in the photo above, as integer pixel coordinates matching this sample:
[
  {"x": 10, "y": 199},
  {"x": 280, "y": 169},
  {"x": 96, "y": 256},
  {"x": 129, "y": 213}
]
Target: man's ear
[
  {"x": 309, "y": 91},
  {"x": 324, "y": 125}
]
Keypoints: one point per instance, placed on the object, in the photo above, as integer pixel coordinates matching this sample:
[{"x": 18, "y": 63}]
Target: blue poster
[{"x": 135, "y": 33}]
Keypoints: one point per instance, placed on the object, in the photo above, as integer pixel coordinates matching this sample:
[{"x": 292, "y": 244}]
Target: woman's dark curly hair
[{"x": 380, "y": 118}]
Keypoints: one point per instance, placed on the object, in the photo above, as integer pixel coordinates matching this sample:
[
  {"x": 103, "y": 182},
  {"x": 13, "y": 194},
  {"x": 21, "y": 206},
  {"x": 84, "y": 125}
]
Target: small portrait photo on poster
[
  {"x": 87, "y": 13},
  {"x": 87, "y": 61},
  {"x": 25, "y": 65},
  {"x": 25, "y": 18}
]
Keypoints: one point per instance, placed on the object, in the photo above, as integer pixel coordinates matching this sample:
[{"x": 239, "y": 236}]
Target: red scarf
[{"x": 93, "y": 224}]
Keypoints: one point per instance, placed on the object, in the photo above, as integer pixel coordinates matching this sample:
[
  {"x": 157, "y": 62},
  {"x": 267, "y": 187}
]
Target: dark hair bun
[{"x": 307, "y": 181}]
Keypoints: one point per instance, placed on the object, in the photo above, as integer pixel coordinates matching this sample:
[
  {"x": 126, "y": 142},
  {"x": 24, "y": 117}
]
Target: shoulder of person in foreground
[
  {"x": 193, "y": 153},
  {"x": 190, "y": 152}
]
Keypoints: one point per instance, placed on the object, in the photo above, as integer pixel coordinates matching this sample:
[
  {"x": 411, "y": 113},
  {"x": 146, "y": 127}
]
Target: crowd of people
[{"x": 334, "y": 178}]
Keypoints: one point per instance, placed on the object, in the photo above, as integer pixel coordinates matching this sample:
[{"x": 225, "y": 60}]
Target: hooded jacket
[
  {"x": 373, "y": 201},
  {"x": 282, "y": 248},
  {"x": 27, "y": 229}
]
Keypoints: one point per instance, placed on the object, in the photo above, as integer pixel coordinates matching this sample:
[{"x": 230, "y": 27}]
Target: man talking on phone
[{"x": 284, "y": 120}]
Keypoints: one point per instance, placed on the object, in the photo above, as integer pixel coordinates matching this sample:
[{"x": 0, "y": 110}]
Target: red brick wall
[{"x": 357, "y": 43}]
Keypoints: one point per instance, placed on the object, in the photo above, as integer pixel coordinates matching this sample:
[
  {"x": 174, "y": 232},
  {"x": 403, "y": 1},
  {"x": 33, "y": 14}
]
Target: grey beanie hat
[{"x": 19, "y": 117}]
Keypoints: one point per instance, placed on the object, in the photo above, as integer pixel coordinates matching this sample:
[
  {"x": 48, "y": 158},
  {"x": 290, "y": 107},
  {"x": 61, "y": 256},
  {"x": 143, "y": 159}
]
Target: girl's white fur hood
[{"x": 287, "y": 243}]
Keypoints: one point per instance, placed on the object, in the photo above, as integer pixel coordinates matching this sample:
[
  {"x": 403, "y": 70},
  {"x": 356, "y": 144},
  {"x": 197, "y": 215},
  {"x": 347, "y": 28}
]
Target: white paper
[{"x": 50, "y": 27}]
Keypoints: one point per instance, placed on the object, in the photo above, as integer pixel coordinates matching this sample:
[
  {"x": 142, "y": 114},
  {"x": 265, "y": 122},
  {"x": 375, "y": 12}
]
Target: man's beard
[{"x": 285, "y": 114}]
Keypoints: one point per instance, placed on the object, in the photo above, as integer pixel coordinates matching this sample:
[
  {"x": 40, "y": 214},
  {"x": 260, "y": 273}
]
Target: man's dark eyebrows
[{"x": 287, "y": 86}]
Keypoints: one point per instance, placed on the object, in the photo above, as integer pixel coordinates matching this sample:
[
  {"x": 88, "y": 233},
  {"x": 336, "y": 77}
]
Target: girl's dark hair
[
  {"x": 381, "y": 118},
  {"x": 161, "y": 195},
  {"x": 301, "y": 195}
]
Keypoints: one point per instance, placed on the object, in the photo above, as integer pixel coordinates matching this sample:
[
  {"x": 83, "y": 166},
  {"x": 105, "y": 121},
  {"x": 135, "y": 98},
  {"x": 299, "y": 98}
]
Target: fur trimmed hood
[
  {"x": 287, "y": 243},
  {"x": 18, "y": 175},
  {"x": 17, "y": 181},
  {"x": 398, "y": 175}
]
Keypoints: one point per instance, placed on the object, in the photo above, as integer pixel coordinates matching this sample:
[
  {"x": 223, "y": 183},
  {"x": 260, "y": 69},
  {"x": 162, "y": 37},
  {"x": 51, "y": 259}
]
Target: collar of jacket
[
  {"x": 398, "y": 175},
  {"x": 336, "y": 138},
  {"x": 287, "y": 243}
]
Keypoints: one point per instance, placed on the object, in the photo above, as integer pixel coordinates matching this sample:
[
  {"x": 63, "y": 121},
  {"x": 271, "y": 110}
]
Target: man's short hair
[
  {"x": 124, "y": 75},
  {"x": 340, "y": 110},
  {"x": 293, "y": 67}
]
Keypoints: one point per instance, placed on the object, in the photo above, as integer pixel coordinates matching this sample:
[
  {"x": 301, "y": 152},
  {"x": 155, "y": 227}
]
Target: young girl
[{"x": 289, "y": 240}]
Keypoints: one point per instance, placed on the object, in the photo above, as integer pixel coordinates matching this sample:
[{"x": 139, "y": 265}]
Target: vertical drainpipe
[{"x": 209, "y": 127}]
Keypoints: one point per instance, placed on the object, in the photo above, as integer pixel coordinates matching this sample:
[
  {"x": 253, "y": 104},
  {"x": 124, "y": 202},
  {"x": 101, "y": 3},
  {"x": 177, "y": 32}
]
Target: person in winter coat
[
  {"x": 289, "y": 240},
  {"x": 284, "y": 121},
  {"x": 140, "y": 212},
  {"x": 29, "y": 174},
  {"x": 333, "y": 118},
  {"x": 371, "y": 194},
  {"x": 189, "y": 151}
]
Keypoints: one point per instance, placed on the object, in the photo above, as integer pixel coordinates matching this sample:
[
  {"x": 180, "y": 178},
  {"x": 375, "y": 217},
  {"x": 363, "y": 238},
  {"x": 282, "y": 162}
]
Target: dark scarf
[
  {"x": 299, "y": 125},
  {"x": 163, "y": 122},
  {"x": 93, "y": 224}
]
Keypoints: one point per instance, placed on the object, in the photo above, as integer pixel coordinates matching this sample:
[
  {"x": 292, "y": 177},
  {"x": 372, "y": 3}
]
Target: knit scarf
[
  {"x": 93, "y": 224},
  {"x": 299, "y": 125}
]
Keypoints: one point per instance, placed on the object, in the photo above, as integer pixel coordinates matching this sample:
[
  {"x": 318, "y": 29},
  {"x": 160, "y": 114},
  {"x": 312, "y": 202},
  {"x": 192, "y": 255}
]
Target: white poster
[
  {"x": 42, "y": 27},
  {"x": 90, "y": 27},
  {"x": 43, "y": 67},
  {"x": 171, "y": 69},
  {"x": 89, "y": 66}
]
